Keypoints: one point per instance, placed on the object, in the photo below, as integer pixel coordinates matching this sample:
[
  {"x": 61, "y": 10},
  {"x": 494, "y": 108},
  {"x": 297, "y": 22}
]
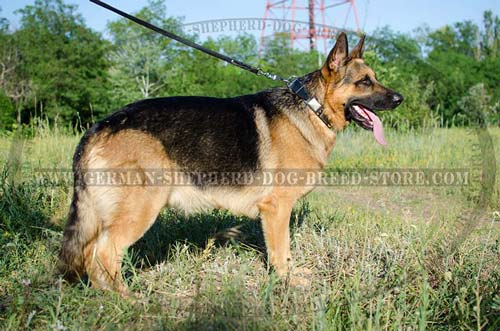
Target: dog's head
[{"x": 352, "y": 91}]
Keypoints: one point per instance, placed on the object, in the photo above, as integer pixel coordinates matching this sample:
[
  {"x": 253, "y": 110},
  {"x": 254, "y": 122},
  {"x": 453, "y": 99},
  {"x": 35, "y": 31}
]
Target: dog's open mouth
[{"x": 368, "y": 120}]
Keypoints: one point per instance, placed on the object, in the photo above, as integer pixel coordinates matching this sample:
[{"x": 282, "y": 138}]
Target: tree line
[{"x": 53, "y": 66}]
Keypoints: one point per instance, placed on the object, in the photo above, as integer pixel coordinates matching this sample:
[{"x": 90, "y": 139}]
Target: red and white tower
[{"x": 313, "y": 13}]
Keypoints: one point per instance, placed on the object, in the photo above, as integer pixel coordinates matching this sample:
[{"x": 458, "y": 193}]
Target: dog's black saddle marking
[{"x": 198, "y": 133}]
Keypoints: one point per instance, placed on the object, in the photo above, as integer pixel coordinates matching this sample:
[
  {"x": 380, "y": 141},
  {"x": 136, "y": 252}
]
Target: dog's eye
[{"x": 365, "y": 82}]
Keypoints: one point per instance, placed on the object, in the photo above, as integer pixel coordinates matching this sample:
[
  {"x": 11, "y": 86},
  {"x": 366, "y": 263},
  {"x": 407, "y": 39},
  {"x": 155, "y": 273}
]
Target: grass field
[{"x": 382, "y": 258}]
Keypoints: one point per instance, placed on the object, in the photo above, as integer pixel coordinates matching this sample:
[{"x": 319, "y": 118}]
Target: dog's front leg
[{"x": 275, "y": 214}]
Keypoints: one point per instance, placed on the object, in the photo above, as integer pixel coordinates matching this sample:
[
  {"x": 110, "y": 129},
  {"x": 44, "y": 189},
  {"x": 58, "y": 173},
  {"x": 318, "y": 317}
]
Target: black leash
[{"x": 295, "y": 85}]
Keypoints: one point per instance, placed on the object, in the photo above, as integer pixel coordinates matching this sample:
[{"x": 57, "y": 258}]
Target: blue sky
[{"x": 399, "y": 14}]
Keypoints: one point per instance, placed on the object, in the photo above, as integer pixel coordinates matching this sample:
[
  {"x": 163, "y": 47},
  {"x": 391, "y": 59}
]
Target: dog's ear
[
  {"x": 337, "y": 57},
  {"x": 357, "y": 52}
]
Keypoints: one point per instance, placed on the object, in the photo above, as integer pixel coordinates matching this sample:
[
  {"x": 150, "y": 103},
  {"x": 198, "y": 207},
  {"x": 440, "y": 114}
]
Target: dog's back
[{"x": 197, "y": 133}]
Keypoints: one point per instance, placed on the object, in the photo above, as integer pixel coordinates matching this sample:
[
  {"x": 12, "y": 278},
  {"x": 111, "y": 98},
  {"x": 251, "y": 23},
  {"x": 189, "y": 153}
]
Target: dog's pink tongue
[{"x": 378, "y": 130}]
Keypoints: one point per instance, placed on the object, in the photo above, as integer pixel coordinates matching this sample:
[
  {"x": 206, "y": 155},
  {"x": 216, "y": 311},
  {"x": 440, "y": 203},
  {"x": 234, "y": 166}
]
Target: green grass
[{"x": 382, "y": 258}]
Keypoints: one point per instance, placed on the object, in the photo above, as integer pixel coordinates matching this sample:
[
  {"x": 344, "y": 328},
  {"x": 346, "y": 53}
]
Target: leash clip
[
  {"x": 271, "y": 76},
  {"x": 266, "y": 74}
]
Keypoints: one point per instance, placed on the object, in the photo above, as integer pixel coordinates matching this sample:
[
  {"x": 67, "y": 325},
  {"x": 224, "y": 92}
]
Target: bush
[
  {"x": 477, "y": 107},
  {"x": 7, "y": 112}
]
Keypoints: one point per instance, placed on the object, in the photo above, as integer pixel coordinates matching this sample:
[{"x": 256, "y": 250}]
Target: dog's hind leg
[
  {"x": 126, "y": 206},
  {"x": 134, "y": 212}
]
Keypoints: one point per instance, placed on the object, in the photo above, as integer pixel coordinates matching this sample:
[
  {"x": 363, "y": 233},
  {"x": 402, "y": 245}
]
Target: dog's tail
[
  {"x": 82, "y": 225},
  {"x": 77, "y": 233}
]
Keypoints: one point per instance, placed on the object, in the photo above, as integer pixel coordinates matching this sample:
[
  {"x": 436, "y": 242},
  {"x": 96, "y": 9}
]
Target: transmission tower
[{"x": 306, "y": 20}]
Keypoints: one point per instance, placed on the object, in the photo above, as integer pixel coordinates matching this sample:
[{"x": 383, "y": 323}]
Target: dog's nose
[{"x": 397, "y": 99}]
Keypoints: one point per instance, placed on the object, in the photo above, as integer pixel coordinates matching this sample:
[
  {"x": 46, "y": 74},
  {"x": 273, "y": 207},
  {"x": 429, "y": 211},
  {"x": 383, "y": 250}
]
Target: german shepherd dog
[{"x": 272, "y": 129}]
